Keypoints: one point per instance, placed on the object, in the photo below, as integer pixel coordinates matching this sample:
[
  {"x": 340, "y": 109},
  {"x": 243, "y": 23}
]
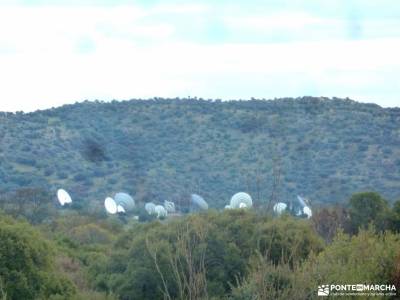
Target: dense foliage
[
  {"x": 166, "y": 148},
  {"x": 235, "y": 254},
  {"x": 365, "y": 258},
  {"x": 27, "y": 264},
  {"x": 213, "y": 249}
]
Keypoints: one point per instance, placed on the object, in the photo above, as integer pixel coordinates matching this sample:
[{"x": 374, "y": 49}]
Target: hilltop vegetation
[{"x": 324, "y": 149}]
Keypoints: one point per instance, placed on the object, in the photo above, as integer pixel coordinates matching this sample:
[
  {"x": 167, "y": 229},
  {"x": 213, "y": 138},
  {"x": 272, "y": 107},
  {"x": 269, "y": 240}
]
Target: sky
[{"x": 58, "y": 52}]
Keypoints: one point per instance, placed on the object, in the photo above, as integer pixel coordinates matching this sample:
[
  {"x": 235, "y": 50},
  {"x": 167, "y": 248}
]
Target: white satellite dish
[
  {"x": 169, "y": 206},
  {"x": 241, "y": 198},
  {"x": 150, "y": 207},
  {"x": 301, "y": 201},
  {"x": 120, "y": 209},
  {"x": 307, "y": 211},
  {"x": 279, "y": 208},
  {"x": 242, "y": 205},
  {"x": 125, "y": 201},
  {"x": 160, "y": 211},
  {"x": 110, "y": 205},
  {"x": 63, "y": 197},
  {"x": 198, "y": 203}
]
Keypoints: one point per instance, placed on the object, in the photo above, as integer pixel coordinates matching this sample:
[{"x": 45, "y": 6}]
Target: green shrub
[
  {"x": 26, "y": 263},
  {"x": 368, "y": 258},
  {"x": 366, "y": 208}
]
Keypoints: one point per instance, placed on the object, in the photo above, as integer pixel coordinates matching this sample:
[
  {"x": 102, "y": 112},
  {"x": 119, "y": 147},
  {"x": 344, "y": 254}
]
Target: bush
[
  {"x": 26, "y": 264},
  {"x": 368, "y": 258},
  {"x": 90, "y": 234},
  {"x": 286, "y": 239},
  {"x": 219, "y": 247},
  {"x": 366, "y": 208}
]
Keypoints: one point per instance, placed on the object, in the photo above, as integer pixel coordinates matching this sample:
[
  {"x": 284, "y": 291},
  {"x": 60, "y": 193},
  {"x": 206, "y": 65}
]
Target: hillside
[{"x": 324, "y": 149}]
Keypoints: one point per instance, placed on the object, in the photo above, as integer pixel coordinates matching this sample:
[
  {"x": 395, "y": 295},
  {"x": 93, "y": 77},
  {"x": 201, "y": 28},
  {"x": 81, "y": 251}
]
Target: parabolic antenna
[
  {"x": 279, "y": 208},
  {"x": 307, "y": 211},
  {"x": 125, "y": 201},
  {"x": 120, "y": 209},
  {"x": 63, "y": 197},
  {"x": 301, "y": 208},
  {"x": 160, "y": 211},
  {"x": 169, "y": 206},
  {"x": 198, "y": 202},
  {"x": 242, "y": 205},
  {"x": 301, "y": 201},
  {"x": 150, "y": 208},
  {"x": 110, "y": 205},
  {"x": 239, "y": 198}
]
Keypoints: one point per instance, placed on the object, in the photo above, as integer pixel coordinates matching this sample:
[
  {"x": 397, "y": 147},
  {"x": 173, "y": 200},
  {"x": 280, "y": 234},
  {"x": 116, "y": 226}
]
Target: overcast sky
[{"x": 57, "y": 52}]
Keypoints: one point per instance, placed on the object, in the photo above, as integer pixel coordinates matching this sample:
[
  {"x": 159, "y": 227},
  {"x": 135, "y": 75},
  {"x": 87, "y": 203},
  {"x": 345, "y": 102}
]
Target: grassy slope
[{"x": 165, "y": 149}]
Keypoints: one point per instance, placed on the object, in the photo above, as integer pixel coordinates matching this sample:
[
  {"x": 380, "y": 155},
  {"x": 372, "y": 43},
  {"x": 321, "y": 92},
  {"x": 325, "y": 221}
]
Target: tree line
[{"x": 234, "y": 254}]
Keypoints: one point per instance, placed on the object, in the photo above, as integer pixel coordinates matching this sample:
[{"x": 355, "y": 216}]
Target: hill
[{"x": 324, "y": 149}]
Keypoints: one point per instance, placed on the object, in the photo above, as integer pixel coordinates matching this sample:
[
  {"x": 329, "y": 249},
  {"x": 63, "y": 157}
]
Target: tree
[
  {"x": 366, "y": 208},
  {"x": 286, "y": 239},
  {"x": 328, "y": 220},
  {"x": 394, "y": 217},
  {"x": 35, "y": 204},
  {"x": 187, "y": 260},
  {"x": 201, "y": 255},
  {"x": 367, "y": 257},
  {"x": 26, "y": 264}
]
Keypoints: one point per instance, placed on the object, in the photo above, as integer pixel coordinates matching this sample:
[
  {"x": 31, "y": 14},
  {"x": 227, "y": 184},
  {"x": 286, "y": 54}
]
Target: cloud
[
  {"x": 289, "y": 26},
  {"x": 277, "y": 21},
  {"x": 51, "y": 55}
]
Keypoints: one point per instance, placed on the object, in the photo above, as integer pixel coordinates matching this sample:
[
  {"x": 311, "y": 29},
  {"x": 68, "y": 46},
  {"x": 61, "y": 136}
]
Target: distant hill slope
[{"x": 161, "y": 149}]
